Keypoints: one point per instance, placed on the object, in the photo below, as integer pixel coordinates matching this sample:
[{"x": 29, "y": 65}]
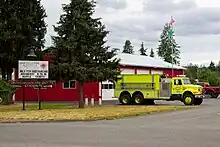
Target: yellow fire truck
[{"x": 145, "y": 88}]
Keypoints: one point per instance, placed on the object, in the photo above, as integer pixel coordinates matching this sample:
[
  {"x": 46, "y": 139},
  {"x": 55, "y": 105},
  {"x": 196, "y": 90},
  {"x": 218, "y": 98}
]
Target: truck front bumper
[{"x": 200, "y": 96}]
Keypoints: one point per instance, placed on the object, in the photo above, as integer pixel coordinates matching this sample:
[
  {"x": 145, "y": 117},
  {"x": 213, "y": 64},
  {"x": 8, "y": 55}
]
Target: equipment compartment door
[{"x": 165, "y": 90}]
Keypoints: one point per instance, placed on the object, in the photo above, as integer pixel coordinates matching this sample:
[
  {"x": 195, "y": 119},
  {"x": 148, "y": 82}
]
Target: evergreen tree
[
  {"x": 192, "y": 72},
  {"x": 218, "y": 68},
  {"x": 143, "y": 50},
  {"x": 128, "y": 48},
  {"x": 167, "y": 45},
  {"x": 152, "y": 53},
  {"x": 80, "y": 50},
  {"x": 212, "y": 66},
  {"x": 22, "y": 26}
]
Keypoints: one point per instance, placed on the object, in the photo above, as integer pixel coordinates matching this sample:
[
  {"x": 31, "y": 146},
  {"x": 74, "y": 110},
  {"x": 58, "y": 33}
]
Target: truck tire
[
  {"x": 125, "y": 99},
  {"x": 188, "y": 99},
  {"x": 138, "y": 98},
  {"x": 214, "y": 95},
  {"x": 198, "y": 101}
]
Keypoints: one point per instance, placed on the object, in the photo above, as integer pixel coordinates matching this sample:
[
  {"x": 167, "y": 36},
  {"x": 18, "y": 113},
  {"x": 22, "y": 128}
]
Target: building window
[
  {"x": 108, "y": 86},
  {"x": 69, "y": 85}
]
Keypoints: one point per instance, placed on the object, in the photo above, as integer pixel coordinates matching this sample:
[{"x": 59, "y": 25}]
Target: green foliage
[
  {"x": 152, "y": 53},
  {"x": 128, "y": 48},
  {"x": 21, "y": 26},
  {"x": 212, "y": 66},
  {"x": 203, "y": 73},
  {"x": 167, "y": 46},
  {"x": 218, "y": 68},
  {"x": 142, "y": 50},
  {"x": 191, "y": 72},
  {"x": 5, "y": 90},
  {"x": 80, "y": 52}
]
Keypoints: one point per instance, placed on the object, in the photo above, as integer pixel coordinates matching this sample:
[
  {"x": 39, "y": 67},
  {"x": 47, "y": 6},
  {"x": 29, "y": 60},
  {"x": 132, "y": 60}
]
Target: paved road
[{"x": 188, "y": 128}]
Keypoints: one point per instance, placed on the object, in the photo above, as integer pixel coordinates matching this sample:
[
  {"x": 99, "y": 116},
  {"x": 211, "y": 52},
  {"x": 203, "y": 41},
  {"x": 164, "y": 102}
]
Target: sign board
[
  {"x": 33, "y": 69},
  {"x": 33, "y": 84}
]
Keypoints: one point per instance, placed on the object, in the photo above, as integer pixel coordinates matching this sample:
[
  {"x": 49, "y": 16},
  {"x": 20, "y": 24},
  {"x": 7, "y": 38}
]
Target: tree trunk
[
  {"x": 3, "y": 73},
  {"x": 9, "y": 74},
  {"x": 9, "y": 77},
  {"x": 81, "y": 98}
]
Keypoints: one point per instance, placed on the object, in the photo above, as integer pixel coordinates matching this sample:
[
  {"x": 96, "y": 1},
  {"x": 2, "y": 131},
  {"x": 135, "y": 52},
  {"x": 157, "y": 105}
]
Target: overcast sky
[{"x": 197, "y": 26}]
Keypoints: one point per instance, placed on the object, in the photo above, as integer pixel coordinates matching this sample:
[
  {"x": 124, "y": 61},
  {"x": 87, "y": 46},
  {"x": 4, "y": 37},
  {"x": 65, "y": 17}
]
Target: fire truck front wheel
[
  {"x": 198, "y": 101},
  {"x": 188, "y": 99},
  {"x": 125, "y": 99}
]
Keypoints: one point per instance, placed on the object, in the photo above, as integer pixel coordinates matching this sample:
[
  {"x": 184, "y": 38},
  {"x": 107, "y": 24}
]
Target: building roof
[{"x": 144, "y": 61}]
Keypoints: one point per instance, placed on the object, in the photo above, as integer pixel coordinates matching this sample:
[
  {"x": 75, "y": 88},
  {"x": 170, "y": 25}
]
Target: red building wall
[{"x": 57, "y": 93}]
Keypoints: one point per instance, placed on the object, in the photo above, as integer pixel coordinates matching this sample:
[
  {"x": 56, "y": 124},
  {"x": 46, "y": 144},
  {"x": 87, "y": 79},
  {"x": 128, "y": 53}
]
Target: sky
[{"x": 197, "y": 25}]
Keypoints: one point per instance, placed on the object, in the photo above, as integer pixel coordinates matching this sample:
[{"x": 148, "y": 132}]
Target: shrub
[{"x": 6, "y": 90}]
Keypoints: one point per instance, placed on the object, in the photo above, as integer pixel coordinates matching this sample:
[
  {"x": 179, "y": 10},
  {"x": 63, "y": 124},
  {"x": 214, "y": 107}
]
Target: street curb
[{"x": 48, "y": 121}]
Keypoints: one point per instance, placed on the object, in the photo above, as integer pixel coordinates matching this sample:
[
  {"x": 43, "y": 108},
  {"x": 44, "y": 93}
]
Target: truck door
[{"x": 177, "y": 86}]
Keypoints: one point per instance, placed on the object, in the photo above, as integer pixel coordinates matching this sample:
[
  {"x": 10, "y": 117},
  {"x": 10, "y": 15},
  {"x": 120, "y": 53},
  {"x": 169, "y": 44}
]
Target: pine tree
[
  {"x": 80, "y": 50},
  {"x": 218, "y": 68},
  {"x": 143, "y": 50},
  {"x": 22, "y": 26},
  {"x": 152, "y": 53},
  {"x": 212, "y": 66},
  {"x": 128, "y": 48},
  {"x": 167, "y": 45}
]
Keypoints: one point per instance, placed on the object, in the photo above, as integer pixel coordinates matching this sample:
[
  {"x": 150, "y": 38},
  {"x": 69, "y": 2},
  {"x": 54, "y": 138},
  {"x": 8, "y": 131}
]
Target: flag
[
  {"x": 172, "y": 21},
  {"x": 170, "y": 32}
]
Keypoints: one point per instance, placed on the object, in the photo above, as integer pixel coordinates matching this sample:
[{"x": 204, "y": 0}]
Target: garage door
[
  {"x": 156, "y": 72},
  {"x": 107, "y": 90}
]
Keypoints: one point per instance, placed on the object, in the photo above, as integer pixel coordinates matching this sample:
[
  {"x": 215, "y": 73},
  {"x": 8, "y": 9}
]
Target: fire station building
[{"x": 129, "y": 64}]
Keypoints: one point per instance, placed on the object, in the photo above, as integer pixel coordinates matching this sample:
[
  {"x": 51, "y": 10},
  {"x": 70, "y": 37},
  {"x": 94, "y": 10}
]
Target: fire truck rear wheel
[
  {"x": 125, "y": 99},
  {"x": 138, "y": 98},
  {"x": 188, "y": 99}
]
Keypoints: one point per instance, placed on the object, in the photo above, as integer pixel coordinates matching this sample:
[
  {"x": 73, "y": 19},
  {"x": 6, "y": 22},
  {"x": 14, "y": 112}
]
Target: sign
[
  {"x": 32, "y": 83},
  {"x": 33, "y": 69}
]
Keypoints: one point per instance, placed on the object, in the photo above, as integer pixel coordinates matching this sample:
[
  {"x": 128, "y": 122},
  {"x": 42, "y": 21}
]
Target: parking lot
[{"x": 188, "y": 128}]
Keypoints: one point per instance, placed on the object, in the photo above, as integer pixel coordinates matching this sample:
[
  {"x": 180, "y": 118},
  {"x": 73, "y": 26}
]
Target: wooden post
[
  {"x": 86, "y": 101},
  {"x": 100, "y": 101},
  {"x": 92, "y": 101},
  {"x": 38, "y": 95}
]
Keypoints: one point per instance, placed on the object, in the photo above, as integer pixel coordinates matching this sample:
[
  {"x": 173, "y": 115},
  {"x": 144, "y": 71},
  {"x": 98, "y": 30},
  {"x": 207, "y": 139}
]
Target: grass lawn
[{"x": 51, "y": 112}]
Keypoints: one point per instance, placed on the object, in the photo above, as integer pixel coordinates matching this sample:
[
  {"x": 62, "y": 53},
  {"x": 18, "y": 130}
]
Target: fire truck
[{"x": 146, "y": 88}]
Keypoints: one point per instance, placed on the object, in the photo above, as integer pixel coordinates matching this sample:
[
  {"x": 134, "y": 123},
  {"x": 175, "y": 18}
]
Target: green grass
[{"x": 14, "y": 113}]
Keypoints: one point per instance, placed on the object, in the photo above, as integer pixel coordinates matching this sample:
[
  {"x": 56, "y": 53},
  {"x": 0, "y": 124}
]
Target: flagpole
[{"x": 171, "y": 25}]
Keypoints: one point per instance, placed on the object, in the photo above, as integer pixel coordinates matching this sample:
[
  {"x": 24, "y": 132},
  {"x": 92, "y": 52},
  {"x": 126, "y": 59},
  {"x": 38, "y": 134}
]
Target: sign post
[{"x": 33, "y": 70}]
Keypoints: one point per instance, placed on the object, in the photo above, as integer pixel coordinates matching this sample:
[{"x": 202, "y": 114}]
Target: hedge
[{"x": 6, "y": 91}]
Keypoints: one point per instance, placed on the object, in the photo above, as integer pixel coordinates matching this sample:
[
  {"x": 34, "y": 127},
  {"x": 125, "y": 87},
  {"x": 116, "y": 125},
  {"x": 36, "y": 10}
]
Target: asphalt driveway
[{"x": 189, "y": 128}]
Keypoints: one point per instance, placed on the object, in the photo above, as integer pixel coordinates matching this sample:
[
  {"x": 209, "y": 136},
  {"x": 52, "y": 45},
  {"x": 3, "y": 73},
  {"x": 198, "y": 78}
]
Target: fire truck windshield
[{"x": 186, "y": 81}]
